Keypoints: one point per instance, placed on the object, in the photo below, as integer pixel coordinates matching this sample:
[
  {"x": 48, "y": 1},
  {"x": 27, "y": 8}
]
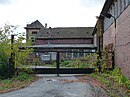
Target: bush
[
  {"x": 4, "y": 71},
  {"x": 22, "y": 76}
]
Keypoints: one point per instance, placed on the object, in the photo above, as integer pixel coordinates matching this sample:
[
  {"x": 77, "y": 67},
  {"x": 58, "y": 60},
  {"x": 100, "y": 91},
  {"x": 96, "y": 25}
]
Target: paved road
[{"x": 53, "y": 86}]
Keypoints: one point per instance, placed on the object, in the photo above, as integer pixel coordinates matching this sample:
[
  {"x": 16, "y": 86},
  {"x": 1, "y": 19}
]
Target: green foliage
[
  {"x": 22, "y": 80},
  {"x": 3, "y": 71},
  {"x": 99, "y": 77},
  {"x": 118, "y": 77},
  {"x": 115, "y": 81},
  {"x": 66, "y": 63},
  {"x": 5, "y": 46},
  {"x": 90, "y": 61},
  {"x": 25, "y": 69},
  {"x": 22, "y": 76}
]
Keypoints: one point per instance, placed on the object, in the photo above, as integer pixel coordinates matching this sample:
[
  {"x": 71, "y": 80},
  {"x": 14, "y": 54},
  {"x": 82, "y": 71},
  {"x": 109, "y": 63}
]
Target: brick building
[
  {"x": 117, "y": 32},
  {"x": 41, "y": 35},
  {"x": 60, "y": 36}
]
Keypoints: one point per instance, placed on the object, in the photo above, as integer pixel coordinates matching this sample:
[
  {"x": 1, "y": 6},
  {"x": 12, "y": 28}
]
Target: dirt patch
[
  {"x": 113, "y": 90},
  {"x": 98, "y": 87},
  {"x": 85, "y": 79}
]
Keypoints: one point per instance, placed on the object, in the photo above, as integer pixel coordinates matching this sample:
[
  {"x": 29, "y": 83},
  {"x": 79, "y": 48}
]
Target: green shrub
[
  {"x": 4, "y": 71},
  {"x": 119, "y": 78},
  {"x": 22, "y": 76}
]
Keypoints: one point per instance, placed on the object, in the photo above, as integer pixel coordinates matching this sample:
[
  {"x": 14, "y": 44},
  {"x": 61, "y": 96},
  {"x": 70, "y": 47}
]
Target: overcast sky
[{"x": 56, "y": 13}]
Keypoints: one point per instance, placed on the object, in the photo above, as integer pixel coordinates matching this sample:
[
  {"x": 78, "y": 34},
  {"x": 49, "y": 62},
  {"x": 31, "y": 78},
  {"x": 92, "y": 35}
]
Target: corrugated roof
[{"x": 60, "y": 46}]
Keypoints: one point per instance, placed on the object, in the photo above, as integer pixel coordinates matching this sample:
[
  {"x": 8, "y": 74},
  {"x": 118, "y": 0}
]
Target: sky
[{"x": 56, "y": 13}]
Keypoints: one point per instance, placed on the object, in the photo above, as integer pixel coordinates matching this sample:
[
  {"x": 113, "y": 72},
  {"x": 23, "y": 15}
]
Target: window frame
[{"x": 34, "y": 32}]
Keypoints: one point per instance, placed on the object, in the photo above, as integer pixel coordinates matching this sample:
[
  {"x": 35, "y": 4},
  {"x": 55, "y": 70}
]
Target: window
[
  {"x": 119, "y": 7},
  {"x": 71, "y": 32},
  {"x": 32, "y": 39},
  {"x": 116, "y": 9},
  {"x": 75, "y": 55},
  {"x": 81, "y": 54},
  {"x": 34, "y": 32},
  {"x": 127, "y": 2},
  {"x": 110, "y": 13},
  {"x": 113, "y": 11},
  {"x": 124, "y": 4}
]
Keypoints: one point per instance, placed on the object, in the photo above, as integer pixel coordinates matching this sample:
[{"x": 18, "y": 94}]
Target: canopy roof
[{"x": 60, "y": 47}]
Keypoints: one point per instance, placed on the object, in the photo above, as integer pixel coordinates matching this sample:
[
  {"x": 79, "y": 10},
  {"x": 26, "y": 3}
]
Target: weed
[
  {"x": 115, "y": 81},
  {"x": 22, "y": 80},
  {"x": 22, "y": 76}
]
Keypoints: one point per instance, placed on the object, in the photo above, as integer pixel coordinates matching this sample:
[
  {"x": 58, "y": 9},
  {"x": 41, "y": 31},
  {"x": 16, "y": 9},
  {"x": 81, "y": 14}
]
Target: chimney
[{"x": 45, "y": 25}]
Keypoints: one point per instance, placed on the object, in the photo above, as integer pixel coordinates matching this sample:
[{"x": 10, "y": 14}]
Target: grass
[
  {"x": 116, "y": 83},
  {"x": 15, "y": 83}
]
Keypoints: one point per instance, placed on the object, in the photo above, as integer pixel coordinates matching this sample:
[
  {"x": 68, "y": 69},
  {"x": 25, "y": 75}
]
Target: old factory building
[{"x": 60, "y": 37}]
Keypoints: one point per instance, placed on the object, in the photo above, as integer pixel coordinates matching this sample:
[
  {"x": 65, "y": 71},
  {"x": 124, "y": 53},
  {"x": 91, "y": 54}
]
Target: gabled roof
[
  {"x": 67, "y": 32},
  {"x": 105, "y": 8},
  {"x": 35, "y": 24},
  {"x": 60, "y": 32},
  {"x": 72, "y": 32}
]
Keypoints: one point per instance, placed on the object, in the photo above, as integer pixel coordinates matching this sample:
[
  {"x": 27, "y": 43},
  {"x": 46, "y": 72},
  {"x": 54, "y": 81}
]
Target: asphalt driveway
[{"x": 53, "y": 86}]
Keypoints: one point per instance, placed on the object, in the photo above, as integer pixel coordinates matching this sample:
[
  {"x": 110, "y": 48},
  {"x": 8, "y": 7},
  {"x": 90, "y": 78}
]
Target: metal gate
[
  {"x": 51, "y": 54},
  {"x": 58, "y": 68}
]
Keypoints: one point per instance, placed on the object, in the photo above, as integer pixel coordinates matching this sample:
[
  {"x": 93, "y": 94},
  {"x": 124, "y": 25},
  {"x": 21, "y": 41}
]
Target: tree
[{"x": 5, "y": 46}]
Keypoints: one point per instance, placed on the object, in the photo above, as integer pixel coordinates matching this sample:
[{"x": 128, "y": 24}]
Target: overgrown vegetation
[
  {"x": 6, "y": 48},
  {"x": 4, "y": 71},
  {"x": 117, "y": 85},
  {"x": 90, "y": 61},
  {"x": 17, "y": 82}
]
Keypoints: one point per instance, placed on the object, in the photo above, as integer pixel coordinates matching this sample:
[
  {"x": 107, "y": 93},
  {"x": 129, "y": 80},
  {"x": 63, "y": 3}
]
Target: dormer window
[{"x": 34, "y": 32}]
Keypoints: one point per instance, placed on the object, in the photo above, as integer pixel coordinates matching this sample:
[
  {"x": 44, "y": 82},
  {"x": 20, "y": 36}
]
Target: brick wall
[
  {"x": 122, "y": 41},
  {"x": 64, "y": 41}
]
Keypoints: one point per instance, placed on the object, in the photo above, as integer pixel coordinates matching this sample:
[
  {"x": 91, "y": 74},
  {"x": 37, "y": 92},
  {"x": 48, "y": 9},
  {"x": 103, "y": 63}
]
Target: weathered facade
[
  {"x": 62, "y": 36},
  {"x": 41, "y": 35},
  {"x": 119, "y": 34}
]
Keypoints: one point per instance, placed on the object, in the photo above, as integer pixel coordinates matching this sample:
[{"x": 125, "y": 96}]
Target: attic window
[
  {"x": 34, "y": 32},
  {"x": 71, "y": 32},
  {"x": 57, "y": 32}
]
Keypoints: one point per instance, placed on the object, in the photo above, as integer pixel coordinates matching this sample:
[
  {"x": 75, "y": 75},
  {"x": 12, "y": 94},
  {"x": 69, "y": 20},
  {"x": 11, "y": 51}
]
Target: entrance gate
[{"x": 59, "y": 51}]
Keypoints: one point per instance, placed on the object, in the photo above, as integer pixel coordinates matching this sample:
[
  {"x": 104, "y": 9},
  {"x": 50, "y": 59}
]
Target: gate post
[
  {"x": 11, "y": 59},
  {"x": 113, "y": 60},
  {"x": 57, "y": 62}
]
